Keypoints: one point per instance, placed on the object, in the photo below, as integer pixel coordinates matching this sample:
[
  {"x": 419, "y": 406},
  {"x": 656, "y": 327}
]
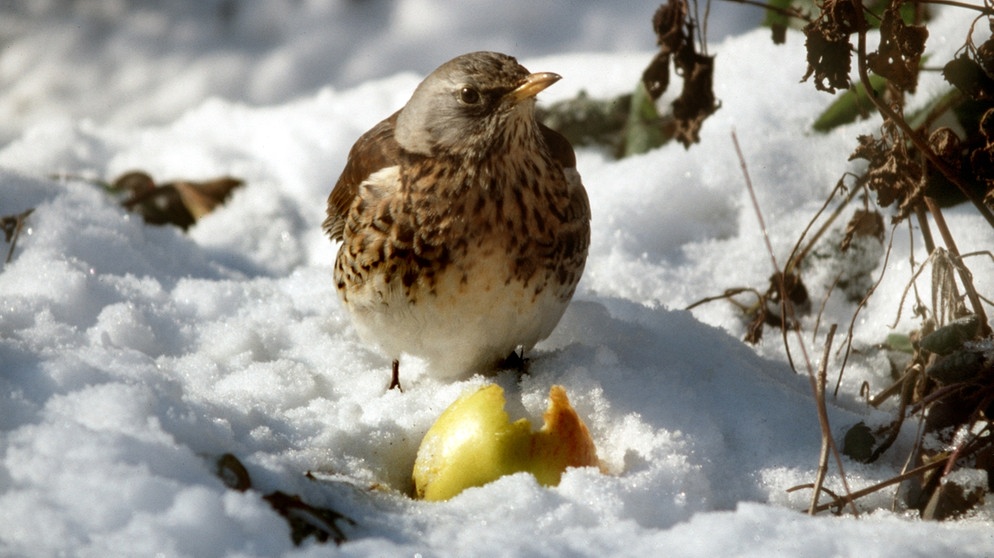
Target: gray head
[{"x": 465, "y": 105}]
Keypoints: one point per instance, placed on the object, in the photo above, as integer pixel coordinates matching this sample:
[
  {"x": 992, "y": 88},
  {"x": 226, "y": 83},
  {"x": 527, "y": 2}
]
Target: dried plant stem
[
  {"x": 786, "y": 308},
  {"x": 825, "y": 439},
  {"x": 728, "y": 294},
  {"x": 786, "y": 12},
  {"x": 925, "y": 228},
  {"x": 851, "y": 497},
  {"x": 797, "y": 256},
  {"x": 964, "y": 274},
  {"x": 824, "y": 303},
  {"x": 982, "y": 9}
]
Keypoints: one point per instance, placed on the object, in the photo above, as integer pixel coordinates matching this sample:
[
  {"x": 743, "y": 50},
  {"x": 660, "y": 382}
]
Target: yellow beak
[{"x": 533, "y": 84}]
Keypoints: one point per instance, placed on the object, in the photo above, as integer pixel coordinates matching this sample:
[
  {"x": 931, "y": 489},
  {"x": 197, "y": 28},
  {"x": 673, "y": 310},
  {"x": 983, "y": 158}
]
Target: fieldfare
[{"x": 463, "y": 221}]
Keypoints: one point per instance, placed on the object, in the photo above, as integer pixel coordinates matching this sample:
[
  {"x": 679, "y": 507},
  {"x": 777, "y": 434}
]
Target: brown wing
[
  {"x": 559, "y": 146},
  {"x": 561, "y": 150},
  {"x": 573, "y": 237},
  {"x": 375, "y": 150}
]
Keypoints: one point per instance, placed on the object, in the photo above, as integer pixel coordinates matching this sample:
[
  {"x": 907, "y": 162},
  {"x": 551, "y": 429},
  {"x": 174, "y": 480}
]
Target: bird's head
[{"x": 470, "y": 105}]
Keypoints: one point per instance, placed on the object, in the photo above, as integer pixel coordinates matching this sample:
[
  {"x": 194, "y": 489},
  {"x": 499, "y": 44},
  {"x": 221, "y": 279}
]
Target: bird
[{"x": 464, "y": 224}]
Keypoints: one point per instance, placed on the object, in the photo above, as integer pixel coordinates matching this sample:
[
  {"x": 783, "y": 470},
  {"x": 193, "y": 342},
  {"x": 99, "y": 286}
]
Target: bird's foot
[
  {"x": 395, "y": 376},
  {"x": 515, "y": 361}
]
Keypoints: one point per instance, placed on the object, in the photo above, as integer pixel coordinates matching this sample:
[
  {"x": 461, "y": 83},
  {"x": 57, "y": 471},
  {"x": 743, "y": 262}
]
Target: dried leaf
[
  {"x": 670, "y": 24},
  {"x": 969, "y": 77},
  {"x": 306, "y": 520},
  {"x": 179, "y": 203},
  {"x": 674, "y": 35},
  {"x": 234, "y": 475},
  {"x": 777, "y": 21},
  {"x": 12, "y": 225},
  {"x": 200, "y": 198},
  {"x": 951, "y": 336},
  {"x": 697, "y": 101},
  {"x": 858, "y": 443},
  {"x": 956, "y": 494},
  {"x": 754, "y": 330},
  {"x": 798, "y": 300},
  {"x": 891, "y": 173},
  {"x": 959, "y": 366},
  {"x": 985, "y": 56},
  {"x": 828, "y": 47},
  {"x": 900, "y": 51},
  {"x": 864, "y": 223},
  {"x": 656, "y": 77}
]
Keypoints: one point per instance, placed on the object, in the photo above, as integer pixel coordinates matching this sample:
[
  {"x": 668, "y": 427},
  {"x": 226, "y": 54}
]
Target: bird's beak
[{"x": 533, "y": 84}]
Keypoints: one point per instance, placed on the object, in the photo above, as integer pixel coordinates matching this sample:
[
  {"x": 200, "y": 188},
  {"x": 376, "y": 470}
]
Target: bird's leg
[
  {"x": 395, "y": 375},
  {"x": 515, "y": 361}
]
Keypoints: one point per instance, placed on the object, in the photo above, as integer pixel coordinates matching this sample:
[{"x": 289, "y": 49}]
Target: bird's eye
[{"x": 469, "y": 95}]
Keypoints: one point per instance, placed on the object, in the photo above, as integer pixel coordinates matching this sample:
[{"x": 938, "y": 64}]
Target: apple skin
[{"x": 474, "y": 442}]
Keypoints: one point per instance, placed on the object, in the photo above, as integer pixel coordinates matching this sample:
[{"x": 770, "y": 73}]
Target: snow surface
[{"x": 134, "y": 356}]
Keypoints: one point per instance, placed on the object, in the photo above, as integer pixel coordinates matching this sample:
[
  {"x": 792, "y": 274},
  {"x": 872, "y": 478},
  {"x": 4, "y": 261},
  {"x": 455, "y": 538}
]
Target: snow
[{"x": 134, "y": 356}]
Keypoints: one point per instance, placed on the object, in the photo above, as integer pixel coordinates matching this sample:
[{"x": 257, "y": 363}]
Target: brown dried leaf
[
  {"x": 985, "y": 56},
  {"x": 891, "y": 173},
  {"x": 200, "y": 198},
  {"x": 828, "y": 60},
  {"x": 179, "y": 203},
  {"x": 696, "y": 101},
  {"x": 232, "y": 473},
  {"x": 674, "y": 35},
  {"x": 981, "y": 159},
  {"x": 306, "y": 520},
  {"x": 798, "y": 302},
  {"x": 669, "y": 23},
  {"x": 827, "y": 43},
  {"x": 863, "y": 223},
  {"x": 900, "y": 50},
  {"x": 656, "y": 76},
  {"x": 12, "y": 225},
  {"x": 951, "y": 499},
  {"x": 969, "y": 77},
  {"x": 754, "y": 331}
]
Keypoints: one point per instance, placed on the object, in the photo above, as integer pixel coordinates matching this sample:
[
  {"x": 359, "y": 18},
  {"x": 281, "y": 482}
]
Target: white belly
[{"x": 465, "y": 326}]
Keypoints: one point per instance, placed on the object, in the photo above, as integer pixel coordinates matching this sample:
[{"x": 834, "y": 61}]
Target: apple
[{"x": 474, "y": 442}]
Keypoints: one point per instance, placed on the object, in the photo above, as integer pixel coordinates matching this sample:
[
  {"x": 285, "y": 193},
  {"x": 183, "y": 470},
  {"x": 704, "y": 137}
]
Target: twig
[
  {"x": 825, "y": 437},
  {"x": 851, "y": 497},
  {"x": 982, "y": 9},
  {"x": 824, "y": 304},
  {"x": 786, "y": 12},
  {"x": 729, "y": 293},
  {"x": 796, "y": 257}
]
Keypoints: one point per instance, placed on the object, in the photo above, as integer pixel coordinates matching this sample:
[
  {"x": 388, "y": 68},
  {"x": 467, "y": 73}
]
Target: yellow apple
[{"x": 473, "y": 442}]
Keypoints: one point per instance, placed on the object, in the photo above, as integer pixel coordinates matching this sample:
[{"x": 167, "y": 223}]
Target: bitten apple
[{"x": 474, "y": 442}]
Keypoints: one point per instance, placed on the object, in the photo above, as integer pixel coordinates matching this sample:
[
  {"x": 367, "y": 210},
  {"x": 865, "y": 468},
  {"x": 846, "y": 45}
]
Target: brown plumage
[{"x": 463, "y": 222}]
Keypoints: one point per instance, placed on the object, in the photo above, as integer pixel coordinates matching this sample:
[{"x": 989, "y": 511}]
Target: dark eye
[{"x": 469, "y": 95}]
